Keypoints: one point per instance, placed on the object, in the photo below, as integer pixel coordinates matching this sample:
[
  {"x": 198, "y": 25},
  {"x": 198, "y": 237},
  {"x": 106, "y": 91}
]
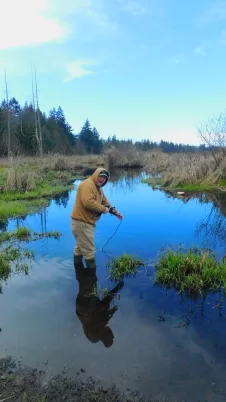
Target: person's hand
[
  {"x": 106, "y": 210},
  {"x": 119, "y": 216}
]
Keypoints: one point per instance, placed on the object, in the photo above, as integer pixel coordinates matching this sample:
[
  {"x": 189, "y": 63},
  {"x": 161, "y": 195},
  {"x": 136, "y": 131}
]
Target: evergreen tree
[
  {"x": 97, "y": 143},
  {"x": 86, "y": 136}
]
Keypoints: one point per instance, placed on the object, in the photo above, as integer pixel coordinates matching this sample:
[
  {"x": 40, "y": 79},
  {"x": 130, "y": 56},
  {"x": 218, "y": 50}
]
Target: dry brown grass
[
  {"x": 181, "y": 169},
  {"x": 126, "y": 159},
  {"x": 176, "y": 168},
  {"x": 20, "y": 181},
  {"x": 56, "y": 162}
]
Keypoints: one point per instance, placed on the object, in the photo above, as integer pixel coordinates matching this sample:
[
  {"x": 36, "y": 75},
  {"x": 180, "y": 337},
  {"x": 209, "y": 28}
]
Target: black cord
[{"x": 111, "y": 237}]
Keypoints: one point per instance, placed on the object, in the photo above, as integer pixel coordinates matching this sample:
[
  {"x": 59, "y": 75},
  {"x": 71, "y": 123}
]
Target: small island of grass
[{"x": 192, "y": 271}]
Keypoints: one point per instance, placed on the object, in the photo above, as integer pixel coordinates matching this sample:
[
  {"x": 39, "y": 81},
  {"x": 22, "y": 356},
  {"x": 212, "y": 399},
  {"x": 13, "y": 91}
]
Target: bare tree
[
  {"x": 38, "y": 132},
  {"x": 8, "y": 118},
  {"x": 38, "y": 114},
  {"x": 213, "y": 133}
]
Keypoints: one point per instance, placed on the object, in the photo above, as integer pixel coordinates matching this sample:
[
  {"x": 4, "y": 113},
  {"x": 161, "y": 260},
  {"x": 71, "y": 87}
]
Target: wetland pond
[{"x": 167, "y": 346}]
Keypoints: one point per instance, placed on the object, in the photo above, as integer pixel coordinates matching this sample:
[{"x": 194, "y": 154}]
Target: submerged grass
[
  {"x": 125, "y": 265},
  {"x": 25, "y": 234},
  {"x": 192, "y": 271},
  {"x": 13, "y": 261},
  {"x": 14, "y": 258}
]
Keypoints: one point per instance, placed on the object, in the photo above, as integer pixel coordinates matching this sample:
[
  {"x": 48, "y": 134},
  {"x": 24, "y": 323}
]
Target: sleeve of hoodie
[
  {"x": 105, "y": 201},
  {"x": 89, "y": 201}
]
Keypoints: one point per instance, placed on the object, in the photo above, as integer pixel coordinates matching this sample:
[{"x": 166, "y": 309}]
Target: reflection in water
[
  {"x": 4, "y": 225},
  {"x": 94, "y": 313},
  {"x": 213, "y": 227},
  {"x": 122, "y": 178},
  {"x": 62, "y": 199}
]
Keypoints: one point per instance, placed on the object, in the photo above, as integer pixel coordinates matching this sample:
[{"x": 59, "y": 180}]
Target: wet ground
[{"x": 157, "y": 343}]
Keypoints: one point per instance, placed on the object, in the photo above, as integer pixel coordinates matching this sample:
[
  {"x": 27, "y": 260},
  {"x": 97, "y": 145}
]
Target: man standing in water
[{"x": 90, "y": 203}]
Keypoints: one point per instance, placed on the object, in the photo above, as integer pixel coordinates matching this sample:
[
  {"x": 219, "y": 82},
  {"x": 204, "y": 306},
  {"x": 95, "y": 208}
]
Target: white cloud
[
  {"x": 199, "y": 51},
  {"x": 34, "y": 22},
  {"x": 134, "y": 7},
  {"x": 27, "y": 22},
  {"x": 78, "y": 69},
  {"x": 214, "y": 13}
]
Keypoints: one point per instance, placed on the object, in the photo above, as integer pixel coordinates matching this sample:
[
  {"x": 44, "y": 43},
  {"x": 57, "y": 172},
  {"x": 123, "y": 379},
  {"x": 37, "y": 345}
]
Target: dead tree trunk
[
  {"x": 38, "y": 115},
  {"x": 8, "y": 119},
  {"x": 35, "y": 115}
]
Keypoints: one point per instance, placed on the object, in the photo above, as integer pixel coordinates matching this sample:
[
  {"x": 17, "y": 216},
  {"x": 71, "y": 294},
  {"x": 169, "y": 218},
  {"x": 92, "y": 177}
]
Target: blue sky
[{"x": 136, "y": 68}]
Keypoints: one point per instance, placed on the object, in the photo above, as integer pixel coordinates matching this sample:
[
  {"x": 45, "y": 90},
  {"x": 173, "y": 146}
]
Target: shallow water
[{"x": 165, "y": 346}]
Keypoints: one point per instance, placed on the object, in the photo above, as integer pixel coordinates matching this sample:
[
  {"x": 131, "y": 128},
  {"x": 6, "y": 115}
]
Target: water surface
[{"x": 166, "y": 346}]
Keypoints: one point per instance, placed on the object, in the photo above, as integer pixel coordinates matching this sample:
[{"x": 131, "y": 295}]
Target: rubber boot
[
  {"x": 77, "y": 259},
  {"x": 91, "y": 263}
]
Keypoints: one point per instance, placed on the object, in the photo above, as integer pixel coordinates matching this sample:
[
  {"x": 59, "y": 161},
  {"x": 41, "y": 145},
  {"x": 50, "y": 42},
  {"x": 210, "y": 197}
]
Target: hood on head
[{"x": 97, "y": 173}]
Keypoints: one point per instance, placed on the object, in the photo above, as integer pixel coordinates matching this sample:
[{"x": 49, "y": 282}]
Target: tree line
[{"x": 26, "y": 130}]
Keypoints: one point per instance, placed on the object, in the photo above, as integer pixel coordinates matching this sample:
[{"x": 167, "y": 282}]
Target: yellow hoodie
[{"x": 90, "y": 199}]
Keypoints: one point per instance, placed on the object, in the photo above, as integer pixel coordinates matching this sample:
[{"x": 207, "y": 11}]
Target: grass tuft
[
  {"x": 13, "y": 258},
  {"x": 192, "y": 271},
  {"x": 12, "y": 261},
  {"x": 125, "y": 265}
]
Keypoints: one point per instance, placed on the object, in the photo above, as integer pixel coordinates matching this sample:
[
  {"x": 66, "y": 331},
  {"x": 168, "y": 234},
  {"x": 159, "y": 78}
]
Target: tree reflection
[
  {"x": 62, "y": 199},
  {"x": 213, "y": 226},
  {"x": 125, "y": 179}
]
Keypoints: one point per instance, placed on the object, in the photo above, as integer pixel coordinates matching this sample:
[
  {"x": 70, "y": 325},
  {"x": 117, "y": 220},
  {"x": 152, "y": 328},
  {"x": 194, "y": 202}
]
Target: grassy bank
[
  {"x": 192, "y": 271},
  {"x": 26, "y": 184},
  {"x": 182, "y": 171},
  {"x": 189, "y": 188},
  {"x": 187, "y": 171}
]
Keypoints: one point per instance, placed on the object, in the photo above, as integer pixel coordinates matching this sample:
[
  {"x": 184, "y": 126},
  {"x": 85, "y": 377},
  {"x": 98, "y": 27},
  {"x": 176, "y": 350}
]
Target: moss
[{"x": 194, "y": 270}]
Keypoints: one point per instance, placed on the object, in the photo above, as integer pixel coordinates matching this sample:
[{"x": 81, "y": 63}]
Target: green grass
[
  {"x": 153, "y": 182},
  {"x": 192, "y": 271},
  {"x": 223, "y": 183},
  {"x": 24, "y": 191},
  {"x": 197, "y": 187},
  {"x": 125, "y": 265},
  {"x": 12, "y": 261},
  {"x": 43, "y": 191},
  {"x": 98, "y": 292},
  {"x": 18, "y": 208},
  {"x": 25, "y": 234},
  {"x": 13, "y": 257}
]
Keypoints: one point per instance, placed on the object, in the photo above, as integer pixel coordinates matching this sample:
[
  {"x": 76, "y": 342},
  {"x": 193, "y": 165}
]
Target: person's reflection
[{"x": 94, "y": 313}]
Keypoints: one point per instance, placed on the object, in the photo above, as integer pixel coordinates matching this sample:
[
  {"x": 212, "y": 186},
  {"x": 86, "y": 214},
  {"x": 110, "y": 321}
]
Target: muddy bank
[{"x": 23, "y": 384}]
